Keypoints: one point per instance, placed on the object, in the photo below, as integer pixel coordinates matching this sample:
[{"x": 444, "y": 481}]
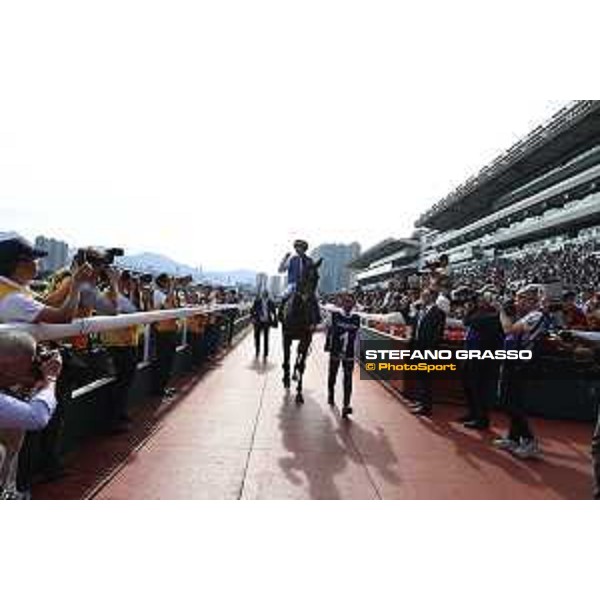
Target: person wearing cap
[
  {"x": 295, "y": 267},
  {"x": 18, "y": 268},
  {"x": 522, "y": 332}
]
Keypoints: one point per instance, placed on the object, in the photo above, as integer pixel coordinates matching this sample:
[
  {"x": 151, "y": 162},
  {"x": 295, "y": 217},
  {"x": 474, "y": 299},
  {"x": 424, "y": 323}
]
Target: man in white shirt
[
  {"x": 18, "y": 268},
  {"x": 27, "y": 399}
]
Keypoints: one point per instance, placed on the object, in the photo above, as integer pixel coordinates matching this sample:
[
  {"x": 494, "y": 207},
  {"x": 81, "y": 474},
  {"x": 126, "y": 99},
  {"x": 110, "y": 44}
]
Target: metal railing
[
  {"x": 93, "y": 325},
  {"x": 47, "y": 332}
]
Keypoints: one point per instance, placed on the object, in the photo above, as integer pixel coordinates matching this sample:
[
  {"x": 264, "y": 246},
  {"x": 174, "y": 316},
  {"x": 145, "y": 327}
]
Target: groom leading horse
[{"x": 300, "y": 312}]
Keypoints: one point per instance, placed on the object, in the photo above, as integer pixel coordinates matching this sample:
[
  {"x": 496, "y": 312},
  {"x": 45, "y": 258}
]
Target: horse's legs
[
  {"x": 303, "y": 348},
  {"x": 287, "y": 352}
]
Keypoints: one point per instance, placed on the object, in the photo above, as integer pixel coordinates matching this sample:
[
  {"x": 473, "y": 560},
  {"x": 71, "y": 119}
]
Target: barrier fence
[
  {"x": 566, "y": 388},
  {"x": 44, "y": 332}
]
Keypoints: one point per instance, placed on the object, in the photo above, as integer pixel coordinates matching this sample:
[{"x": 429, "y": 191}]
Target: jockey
[{"x": 295, "y": 267}]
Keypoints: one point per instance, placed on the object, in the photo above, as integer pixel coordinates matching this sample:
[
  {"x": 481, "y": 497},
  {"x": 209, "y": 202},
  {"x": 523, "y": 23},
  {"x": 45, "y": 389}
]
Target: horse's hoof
[
  {"x": 299, "y": 399},
  {"x": 287, "y": 384}
]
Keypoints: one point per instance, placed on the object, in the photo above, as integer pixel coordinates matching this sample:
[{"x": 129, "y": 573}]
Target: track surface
[{"x": 235, "y": 435}]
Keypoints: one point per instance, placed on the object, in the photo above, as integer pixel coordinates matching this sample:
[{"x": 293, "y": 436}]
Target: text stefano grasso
[{"x": 377, "y": 355}]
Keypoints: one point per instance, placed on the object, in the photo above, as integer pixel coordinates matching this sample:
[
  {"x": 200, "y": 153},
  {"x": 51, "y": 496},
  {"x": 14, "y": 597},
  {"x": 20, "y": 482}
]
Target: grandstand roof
[
  {"x": 572, "y": 130},
  {"x": 385, "y": 248}
]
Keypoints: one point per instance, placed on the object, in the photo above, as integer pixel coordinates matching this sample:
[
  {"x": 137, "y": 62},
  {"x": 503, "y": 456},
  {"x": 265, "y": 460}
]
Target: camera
[
  {"x": 98, "y": 258},
  {"x": 184, "y": 281},
  {"x": 43, "y": 355}
]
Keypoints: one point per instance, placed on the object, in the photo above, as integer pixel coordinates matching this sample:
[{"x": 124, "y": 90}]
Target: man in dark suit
[
  {"x": 427, "y": 334},
  {"x": 264, "y": 315},
  {"x": 484, "y": 332}
]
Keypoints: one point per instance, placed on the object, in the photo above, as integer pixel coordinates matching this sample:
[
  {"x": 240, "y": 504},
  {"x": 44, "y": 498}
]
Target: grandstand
[
  {"x": 540, "y": 195},
  {"x": 389, "y": 258},
  {"x": 543, "y": 191}
]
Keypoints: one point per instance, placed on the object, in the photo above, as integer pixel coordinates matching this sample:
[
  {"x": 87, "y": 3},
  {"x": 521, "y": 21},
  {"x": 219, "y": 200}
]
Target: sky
[{"x": 217, "y": 133}]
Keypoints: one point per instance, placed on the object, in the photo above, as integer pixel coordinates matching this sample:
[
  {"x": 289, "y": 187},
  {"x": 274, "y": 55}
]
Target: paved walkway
[{"x": 237, "y": 436}]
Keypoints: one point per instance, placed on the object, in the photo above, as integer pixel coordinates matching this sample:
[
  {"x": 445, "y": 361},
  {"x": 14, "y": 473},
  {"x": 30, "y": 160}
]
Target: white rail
[{"x": 46, "y": 332}]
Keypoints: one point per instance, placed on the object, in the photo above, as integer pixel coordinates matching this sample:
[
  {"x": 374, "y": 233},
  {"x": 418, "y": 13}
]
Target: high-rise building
[
  {"x": 335, "y": 274},
  {"x": 58, "y": 254},
  {"x": 262, "y": 282},
  {"x": 275, "y": 286}
]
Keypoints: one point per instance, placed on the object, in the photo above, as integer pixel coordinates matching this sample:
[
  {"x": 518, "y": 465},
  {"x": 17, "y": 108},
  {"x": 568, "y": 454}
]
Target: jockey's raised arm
[{"x": 285, "y": 263}]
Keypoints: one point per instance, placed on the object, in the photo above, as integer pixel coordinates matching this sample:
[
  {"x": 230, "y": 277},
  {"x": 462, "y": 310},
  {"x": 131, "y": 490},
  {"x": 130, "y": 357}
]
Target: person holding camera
[
  {"x": 99, "y": 272},
  {"x": 264, "y": 316},
  {"x": 18, "y": 268},
  {"x": 524, "y": 325},
  {"x": 165, "y": 297},
  {"x": 89, "y": 269},
  {"x": 27, "y": 400},
  {"x": 122, "y": 345},
  {"x": 195, "y": 327},
  {"x": 231, "y": 314}
]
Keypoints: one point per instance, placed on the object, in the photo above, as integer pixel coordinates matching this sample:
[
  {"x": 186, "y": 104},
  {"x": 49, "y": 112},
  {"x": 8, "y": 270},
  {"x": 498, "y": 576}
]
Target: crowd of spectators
[
  {"x": 92, "y": 285},
  {"x": 536, "y": 300},
  {"x": 569, "y": 276},
  {"x": 575, "y": 264}
]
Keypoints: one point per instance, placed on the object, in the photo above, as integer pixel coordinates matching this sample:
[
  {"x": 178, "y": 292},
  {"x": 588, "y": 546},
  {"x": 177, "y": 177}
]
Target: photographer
[
  {"x": 230, "y": 316},
  {"x": 82, "y": 364},
  {"x": 18, "y": 268},
  {"x": 573, "y": 317},
  {"x": 524, "y": 325},
  {"x": 165, "y": 298},
  {"x": 27, "y": 399},
  {"x": 196, "y": 326},
  {"x": 122, "y": 345},
  {"x": 99, "y": 273}
]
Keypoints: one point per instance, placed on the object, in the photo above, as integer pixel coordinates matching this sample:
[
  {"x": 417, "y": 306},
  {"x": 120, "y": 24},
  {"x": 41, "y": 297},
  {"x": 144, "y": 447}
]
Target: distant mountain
[
  {"x": 242, "y": 276},
  {"x": 149, "y": 262}
]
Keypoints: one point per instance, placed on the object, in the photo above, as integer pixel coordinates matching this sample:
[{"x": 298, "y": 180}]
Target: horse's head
[{"x": 310, "y": 280}]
